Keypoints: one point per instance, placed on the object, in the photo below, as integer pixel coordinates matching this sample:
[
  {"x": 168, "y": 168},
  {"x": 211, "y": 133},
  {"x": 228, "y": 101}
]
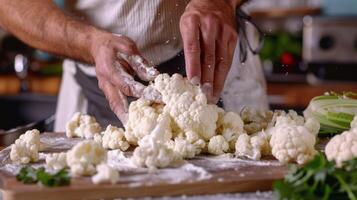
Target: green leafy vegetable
[
  {"x": 31, "y": 175},
  {"x": 319, "y": 179},
  {"x": 334, "y": 111}
]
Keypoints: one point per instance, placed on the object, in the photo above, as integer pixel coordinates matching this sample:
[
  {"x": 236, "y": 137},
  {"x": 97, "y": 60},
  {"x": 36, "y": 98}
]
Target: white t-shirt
[{"x": 154, "y": 26}]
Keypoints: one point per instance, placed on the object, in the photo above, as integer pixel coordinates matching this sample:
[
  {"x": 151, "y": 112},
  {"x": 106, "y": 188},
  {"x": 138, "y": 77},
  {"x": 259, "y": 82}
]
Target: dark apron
[{"x": 98, "y": 105}]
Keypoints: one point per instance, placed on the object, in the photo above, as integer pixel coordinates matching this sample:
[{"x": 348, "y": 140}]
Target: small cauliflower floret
[
  {"x": 113, "y": 138},
  {"x": 342, "y": 147},
  {"x": 218, "y": 145},
  {"x": 187, "y": 105},
  {"x": 84, "y": 156},
  {"x": 25, "y": 149},
  {"x": 153, "y": 151},
  {"x": 312, "y": 125},
  {"x": 230, "y": 126},
  {"x": 252, "y": 147},
  {"x": 291, "y": 118},
  {"x": 56, "y": 161},
  {"x": 291, "y": 143},
  {"x": 254, "y": 120},
  {"x": 186, "y": 149},
  {"x": 83, "y": 126},
  {"x": 142, "y": 120},
  {"x": 105, "y": 174}
]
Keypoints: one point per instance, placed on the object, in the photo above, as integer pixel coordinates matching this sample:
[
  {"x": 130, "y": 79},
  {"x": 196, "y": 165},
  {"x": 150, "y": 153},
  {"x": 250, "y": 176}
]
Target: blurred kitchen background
[{"x": 310, "y": 47}]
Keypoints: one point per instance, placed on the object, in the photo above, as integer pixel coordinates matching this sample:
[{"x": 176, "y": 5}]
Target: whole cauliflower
[
  {"x": 153, "y": 151},
  {"x": 105, "y": 174},
  {"x": 230, "y": 126},
  {"x": 254, "y": 146},
  {"x": 113, "y": 138},
  {"x": 56, "y": 161},
  {"x": 84, "y": 156},
  {"x": 342, "y": 147},
  {"x": 218, "y": 145},
  {"x": 83, "y": 126},
  {"x": 291, "y": 143},
  {"x": 142, "y": 120},
  {"x": 187, "y": 105},
  {"x": 25, "y": 149}
]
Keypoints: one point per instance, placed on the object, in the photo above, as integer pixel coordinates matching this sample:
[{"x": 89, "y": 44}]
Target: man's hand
[
  {"x": 209, "y": 38},
  {"x": 117, "y": 59}
]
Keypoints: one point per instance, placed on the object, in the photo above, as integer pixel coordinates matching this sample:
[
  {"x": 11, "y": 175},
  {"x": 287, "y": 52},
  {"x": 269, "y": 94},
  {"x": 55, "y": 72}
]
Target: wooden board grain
[{"x": 246, "y": 177}]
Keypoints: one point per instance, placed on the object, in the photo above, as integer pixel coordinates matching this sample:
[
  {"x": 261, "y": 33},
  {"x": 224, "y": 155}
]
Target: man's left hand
[{"x": 209, "y": 38}]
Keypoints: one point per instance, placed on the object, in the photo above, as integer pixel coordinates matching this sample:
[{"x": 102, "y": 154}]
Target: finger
[
  {"x": 189, "y": 28},
  {"x": 140, "y": 65},
  {"x": 225, "y": 53},
  {"x": 117, "y": 101},
  {"x": 209, "y": 30}
]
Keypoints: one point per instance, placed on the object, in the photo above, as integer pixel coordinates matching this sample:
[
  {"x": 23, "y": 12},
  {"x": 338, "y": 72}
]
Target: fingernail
[{"x": 195, "y": 81}]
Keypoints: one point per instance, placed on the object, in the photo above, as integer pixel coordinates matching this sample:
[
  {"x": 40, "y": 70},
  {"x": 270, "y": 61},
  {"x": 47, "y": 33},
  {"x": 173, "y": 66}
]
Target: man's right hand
[{"x": 117, "y": 59}]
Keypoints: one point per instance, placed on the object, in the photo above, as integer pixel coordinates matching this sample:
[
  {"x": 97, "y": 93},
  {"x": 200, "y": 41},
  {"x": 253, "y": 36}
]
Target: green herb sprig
[
  {"x": 30, "y": 175},
  {"x": 319, "y": 180}
]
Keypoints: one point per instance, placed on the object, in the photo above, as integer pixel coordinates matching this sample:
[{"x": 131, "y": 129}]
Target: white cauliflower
[
  {"x": 218, "y": 145},
  {"x": 254, "y": 120},
  {"x": 187, "y": 105},
  {"x": 292, "y": 143},
  {"x": 187, "y": 149},
  {"x": 113, "y": 138},
  {"x": 153, "y": 151},
  {"x": 84, "y": 156},
  {"x": 83, "y": 126},
  {"x": 342, "y": 147},
  {"x": 26, "y": 148},
  {"x": 254, "y": 146},
  {"x": 105, "y": 174},
  {"x": 56, "y": 161},
  {"x": 230, "y": 126},
  {"x": 142, "y": 120}
]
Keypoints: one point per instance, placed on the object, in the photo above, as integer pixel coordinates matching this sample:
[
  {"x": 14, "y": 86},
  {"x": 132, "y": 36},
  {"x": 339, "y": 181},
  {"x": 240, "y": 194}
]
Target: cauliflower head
[
  {"x": 142, "y": 120},
  {"x": 218, "y": 145},
  {"x": 291, "y": 143},
  {"x": 342, "y": 147},
  {"x": 83, "y": 126},
  {"x": 83, "y": 158},
  {"x": 26, "y": 147},
  {"x": 105, "y": 174},
  {"x": 187, "y": 105},
  {"x": 56, "y": 161},
  {"x": 113, "y": 138}
]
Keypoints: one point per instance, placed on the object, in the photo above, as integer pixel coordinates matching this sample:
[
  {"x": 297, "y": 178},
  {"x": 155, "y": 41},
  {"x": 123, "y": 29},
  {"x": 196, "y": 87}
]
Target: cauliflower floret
[
  {"x": 254, "y": 120},
  {"x": 142, "y": 120},
  {"x": 186, "y": 149},
  {"x": 291, "y": 143},
  {"x": 56, "y": 161},
  {"x": 342, "y": 147},
  {"x": 254, "y": 146},
  {"x": 83, "y": 126},
  {"x": 230, "y": 125},
  {"x": 218, "y": 145},
  {"x": 84, "y": 156},
  {"x": 291, "y": 118},
  {"x": 113, "y": 138},
  {"x": 153, "y": 151},
  {"x": 105, "y": 174},
  {"x": 187, "y": 105},
  {"x": 25, "y": 149},
  {"x": 312, "y": 125}
]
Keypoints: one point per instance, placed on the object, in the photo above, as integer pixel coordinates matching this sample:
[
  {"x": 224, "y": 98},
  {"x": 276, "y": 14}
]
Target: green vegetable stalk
[
  {"x": 29, "y": 175},
  {"x": 319, "y": 180},
  {"x": 334, "y": 111}
]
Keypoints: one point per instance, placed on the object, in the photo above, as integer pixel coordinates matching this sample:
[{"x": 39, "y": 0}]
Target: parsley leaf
[{"x": 31, "y": 175}]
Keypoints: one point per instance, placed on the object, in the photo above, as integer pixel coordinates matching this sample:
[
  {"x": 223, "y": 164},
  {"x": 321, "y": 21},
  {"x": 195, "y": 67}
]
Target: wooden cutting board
[{"x": 226, "y": 176}]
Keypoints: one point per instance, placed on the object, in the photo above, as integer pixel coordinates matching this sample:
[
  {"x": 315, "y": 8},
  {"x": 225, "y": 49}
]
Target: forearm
[{"x": 43, "y": 25}]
